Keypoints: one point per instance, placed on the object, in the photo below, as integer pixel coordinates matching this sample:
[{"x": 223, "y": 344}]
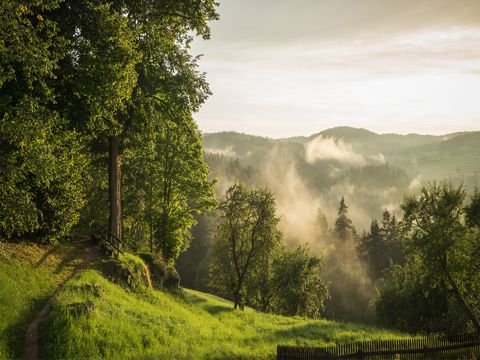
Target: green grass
[
  {"x": 191, "y": 325},
  {"x": 28, "y": 276}
]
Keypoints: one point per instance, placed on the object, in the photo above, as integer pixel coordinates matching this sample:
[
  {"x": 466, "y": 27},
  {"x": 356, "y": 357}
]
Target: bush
[
  {"x": 172, "y": 279},
  {"x": 128, "y": 270},
  {"x": 297, "y": 283},
  {"x": 157, "y": 267},
  {"x": 163, "y": 277}
]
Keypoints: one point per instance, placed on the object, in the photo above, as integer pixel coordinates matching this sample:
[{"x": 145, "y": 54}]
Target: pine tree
[{"x": 343, "y": 224}]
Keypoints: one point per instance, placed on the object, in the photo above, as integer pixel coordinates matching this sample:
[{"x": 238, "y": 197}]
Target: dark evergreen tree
[
  {"x": 343, "y": 224},
  {"x": 372, "y": 250}
]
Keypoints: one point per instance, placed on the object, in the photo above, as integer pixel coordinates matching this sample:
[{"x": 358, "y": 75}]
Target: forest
[{"x": 221, "y": 238}]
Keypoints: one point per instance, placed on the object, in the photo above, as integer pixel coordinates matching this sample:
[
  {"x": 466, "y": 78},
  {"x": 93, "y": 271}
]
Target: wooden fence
[
  {"x": 111, "y": 245},
  {"x": 458, "y": 347}
]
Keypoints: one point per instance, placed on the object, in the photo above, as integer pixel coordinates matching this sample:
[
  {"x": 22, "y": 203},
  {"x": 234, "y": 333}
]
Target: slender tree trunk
[
  {"x": 237, "y": 302},
  {"x": 114, "y": 189},
  {"x": 151, "y": 236}
]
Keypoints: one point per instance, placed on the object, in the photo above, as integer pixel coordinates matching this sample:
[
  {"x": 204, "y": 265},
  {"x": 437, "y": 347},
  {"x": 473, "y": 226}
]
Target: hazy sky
[{"x": 283, "y": 68}]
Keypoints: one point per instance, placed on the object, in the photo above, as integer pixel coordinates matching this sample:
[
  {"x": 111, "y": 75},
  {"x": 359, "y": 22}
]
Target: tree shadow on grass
[
  {"x": 316, "y": 332},
  {"x": 54, "y": 249},
  {"x": 204, "y": 304},
  {"x": 192, "y": 298},
  {"x": 66, "y": 261},
  {"x": 217, "y": 309}
]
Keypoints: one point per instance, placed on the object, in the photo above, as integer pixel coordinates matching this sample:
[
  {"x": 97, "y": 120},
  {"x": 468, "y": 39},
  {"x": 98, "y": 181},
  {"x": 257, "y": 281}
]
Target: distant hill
[{"x": 453, "y": 156}]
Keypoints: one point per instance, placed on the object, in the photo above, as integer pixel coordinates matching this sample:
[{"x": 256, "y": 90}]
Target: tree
[
  {"x": 247, "y": 233},
  {"x": 410, "y": 299},
  {"x": 322, "y": 229},
  {"x": 168, "y": 176},
  {"x": 42, "y": 167},
  {"x": 472, "y": 212},
  {"x": 434, "y": 229},
  {"x": 343, "y": 225},
  {"x": 260, "y": 286},
  {"x": 96, "y": 79},
  {"x": 381, "y": 245},
  {"x": 391, "y": 237},
  {"x": 372, "y": 250},
  {"x": 297, "y": 283},
  {"x": 128, "y": 63}
]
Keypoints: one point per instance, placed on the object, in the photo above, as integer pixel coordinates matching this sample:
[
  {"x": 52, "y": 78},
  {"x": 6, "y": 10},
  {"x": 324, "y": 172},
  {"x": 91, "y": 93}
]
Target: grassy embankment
[
  {"x": 28, "y": 276},
  {"x": 152, "y": 324}
]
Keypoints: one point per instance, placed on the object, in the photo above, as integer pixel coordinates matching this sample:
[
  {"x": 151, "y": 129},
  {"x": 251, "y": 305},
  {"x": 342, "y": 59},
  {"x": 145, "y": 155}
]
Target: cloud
[
  {"x": 228, "y": 151},
  {"x": 378, "y": 159},
  {"x": 282, "y": 68},
  {"x": 325, "y": 148},
  {"x": 415, "y": 184},
  {"x": 273, "y": 21}
]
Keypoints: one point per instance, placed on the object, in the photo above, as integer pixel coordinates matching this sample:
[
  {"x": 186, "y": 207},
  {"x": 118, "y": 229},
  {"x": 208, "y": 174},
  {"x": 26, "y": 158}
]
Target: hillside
[
  {"x": 158, "y": 325},
  {"x": 28, "y": 275},
  {"x": 452, "y": 156},
  {"x": 344, "y": 161}
]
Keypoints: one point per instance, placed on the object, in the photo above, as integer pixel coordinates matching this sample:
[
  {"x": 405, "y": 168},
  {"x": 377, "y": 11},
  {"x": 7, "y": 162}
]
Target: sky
[{"x": 282, "y": 68}]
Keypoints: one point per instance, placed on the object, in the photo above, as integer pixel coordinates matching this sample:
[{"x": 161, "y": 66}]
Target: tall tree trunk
[{"x": 114, "y": 189}]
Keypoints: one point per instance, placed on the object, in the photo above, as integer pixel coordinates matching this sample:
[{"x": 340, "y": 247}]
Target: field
[
  {"x": 189, "y": 325},
  {"x": 28, "y": 276}
]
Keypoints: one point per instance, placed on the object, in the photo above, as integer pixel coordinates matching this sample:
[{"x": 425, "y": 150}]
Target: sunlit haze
[{"x": 282, "y": 68}]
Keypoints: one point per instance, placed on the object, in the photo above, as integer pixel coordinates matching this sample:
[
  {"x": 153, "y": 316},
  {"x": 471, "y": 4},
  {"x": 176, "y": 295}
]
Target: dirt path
[{"x": 31, "y": 346}]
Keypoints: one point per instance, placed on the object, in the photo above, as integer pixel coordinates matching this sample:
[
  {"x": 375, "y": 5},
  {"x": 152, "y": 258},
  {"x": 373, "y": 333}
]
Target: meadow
[
  {"x": 151, "y": 324},
  {"x": 28, "y": 275}
]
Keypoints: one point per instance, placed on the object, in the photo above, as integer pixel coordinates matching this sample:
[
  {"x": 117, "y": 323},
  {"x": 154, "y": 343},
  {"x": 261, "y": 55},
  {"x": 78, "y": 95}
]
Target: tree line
[{"x": 424, "y": 266}]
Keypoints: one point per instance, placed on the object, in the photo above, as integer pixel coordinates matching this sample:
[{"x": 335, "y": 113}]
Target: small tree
[
  {"x": 381, "y": 245},
  {"x": 372, "y": 250},
  {"x": 247, "y": 233},
  {"x": 435, "y": 230},
  {"x": 391, "y": 238},
  {"x": 343, "y": 224},
  {"x": 298, "y": 286}
]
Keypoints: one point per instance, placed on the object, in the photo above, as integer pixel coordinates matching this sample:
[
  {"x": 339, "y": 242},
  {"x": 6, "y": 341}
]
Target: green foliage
[
  {"x": 409, "y": 301},
  {"x": 246, "y": 237},
  {"x": 167, "y": 185},
  {"x": 98, "y": 74},
  {"x": 297, "y": 284},
  {"x": 157, "y": 268},
  {"x": 28, "y": 275},
  {"x": 42, "y": 168},
  {"x": 381, "y": 245},
  {"x": 160, "y": 325},
  {"x": 472, "y": 211},
  {"x": 192, "y": 264},
  {"x": 343, "y": 224},
  {"x": 76, "y": 72},
  {"x": 128, "y": 270},
  {"x": 441, "y": 256}
]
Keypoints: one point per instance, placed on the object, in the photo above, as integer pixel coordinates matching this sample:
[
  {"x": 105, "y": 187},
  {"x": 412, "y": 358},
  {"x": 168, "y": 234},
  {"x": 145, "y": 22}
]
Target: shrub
[
  {"x": 128, "y": 270},
  {"x": 172, "y": 279},
  {"x": 157, "y": 267},
  {"x": 163, "y": 276}
]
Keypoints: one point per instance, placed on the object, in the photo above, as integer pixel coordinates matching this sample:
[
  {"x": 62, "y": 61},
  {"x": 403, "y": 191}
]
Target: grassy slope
[
  {"x": 158, "y": 325},
  {"x": 28, "y": 276}
]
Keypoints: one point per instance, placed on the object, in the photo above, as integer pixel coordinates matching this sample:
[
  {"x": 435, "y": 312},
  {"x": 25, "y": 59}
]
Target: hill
[
  {"x": 152, "y": 324},
  {"x": 452, "y": 156},
  {"x": 28, "y": 276}
]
